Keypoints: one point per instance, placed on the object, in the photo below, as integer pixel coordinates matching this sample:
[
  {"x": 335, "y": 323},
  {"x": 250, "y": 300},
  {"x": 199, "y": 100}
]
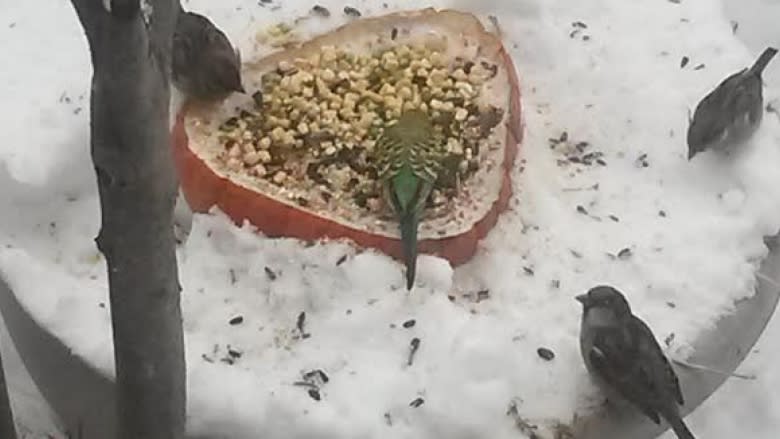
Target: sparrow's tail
[
  {"x": 679, "y": 427},
  {"x": 763, "y": 60}
]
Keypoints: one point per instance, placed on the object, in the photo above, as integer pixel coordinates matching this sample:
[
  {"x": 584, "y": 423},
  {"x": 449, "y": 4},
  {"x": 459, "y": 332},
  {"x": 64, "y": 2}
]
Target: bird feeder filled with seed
[{"x": 300, "y": 155}]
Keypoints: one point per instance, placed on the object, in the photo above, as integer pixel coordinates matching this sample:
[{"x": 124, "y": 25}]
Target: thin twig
[
  {"x": 768, "y": 279},
  {"x": 716, "y": 371}
]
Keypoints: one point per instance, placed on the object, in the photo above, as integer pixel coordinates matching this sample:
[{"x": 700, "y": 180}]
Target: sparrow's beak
[{"x": 582, "y": 298}]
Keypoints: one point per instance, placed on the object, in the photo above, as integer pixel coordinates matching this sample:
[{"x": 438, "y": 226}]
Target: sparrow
[
  {"x": 622, "y": 355},
  {"x": 730, "y": 113},
  {"x": 204, "y": 64}
]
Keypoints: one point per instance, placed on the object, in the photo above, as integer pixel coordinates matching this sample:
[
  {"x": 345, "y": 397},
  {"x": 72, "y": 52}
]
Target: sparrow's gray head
[
  {"x": 606, "y": 298},
  {"x": 226, "y": 69},
  {"x": 204, "y": 64},
  {"x": 700, "y": 134}
]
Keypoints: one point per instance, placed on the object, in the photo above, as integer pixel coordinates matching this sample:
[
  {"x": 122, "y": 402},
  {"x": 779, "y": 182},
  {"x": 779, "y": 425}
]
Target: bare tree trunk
[
  {"x": 7, "y": 429},
  {"x": 137, "y": 184}
]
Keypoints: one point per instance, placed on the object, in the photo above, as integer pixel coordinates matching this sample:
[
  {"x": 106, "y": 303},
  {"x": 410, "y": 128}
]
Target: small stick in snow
[
  {"x": 415, "y": 344},
  {"x": 594, "y": 187},
  {"x": 301, "y": 325},
  {"x": 716, "y": 371},
  {"x": 417, "y": 402}
]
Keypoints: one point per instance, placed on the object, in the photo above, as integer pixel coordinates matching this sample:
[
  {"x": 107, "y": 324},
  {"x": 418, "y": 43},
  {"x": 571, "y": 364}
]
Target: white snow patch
[{"x": 694, "y": 230}]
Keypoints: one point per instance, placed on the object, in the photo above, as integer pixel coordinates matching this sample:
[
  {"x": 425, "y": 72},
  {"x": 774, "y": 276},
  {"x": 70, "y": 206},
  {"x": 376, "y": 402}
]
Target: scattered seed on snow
[
  {"x": 414, "y": 346},
  {"x": 417, "y": 402},
  {"x": 237, "y": 320},
  {"x": 545, "y": 354},
  {"x": 322, "y": 11},
  {"x": 316, "y": 375},
  {"x": 351, "y": 12},
  {"x": 409, "y": 323},
  {"x": 624, "y": 254},
  {"x": 234, "y": 353},
  {"x": 301, "y": 323}
]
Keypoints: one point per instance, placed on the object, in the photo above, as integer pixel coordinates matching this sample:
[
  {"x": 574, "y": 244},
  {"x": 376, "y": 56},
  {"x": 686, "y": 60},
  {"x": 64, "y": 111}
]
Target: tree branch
[
  {"x": 137, "y": 185},
  {"x": 125, "y": 9},
  {"x": 92, "y": 16}
]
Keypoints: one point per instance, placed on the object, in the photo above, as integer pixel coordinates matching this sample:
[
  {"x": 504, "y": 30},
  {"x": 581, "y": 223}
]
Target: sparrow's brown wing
[
  {"x": 667, "y": 379},
  {"x": 713, "y": 114},
  {"x": 615, "y": 357}
]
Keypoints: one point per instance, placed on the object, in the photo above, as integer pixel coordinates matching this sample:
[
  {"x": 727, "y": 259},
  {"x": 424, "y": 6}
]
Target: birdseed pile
[{"x": 315, "y": 122}]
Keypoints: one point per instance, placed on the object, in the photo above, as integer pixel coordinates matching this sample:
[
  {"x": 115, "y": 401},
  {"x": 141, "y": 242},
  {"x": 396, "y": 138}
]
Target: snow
[{"x": 622, "y": 91}]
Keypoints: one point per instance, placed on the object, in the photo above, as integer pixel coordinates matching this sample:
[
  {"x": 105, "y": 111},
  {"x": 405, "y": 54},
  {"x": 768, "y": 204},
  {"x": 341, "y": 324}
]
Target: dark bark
[
  {"x": 137, "y": 185},
  {"x": 7, "y": 429}
]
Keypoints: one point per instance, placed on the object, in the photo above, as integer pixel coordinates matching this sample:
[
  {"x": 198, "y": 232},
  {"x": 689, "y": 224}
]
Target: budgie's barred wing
[{"x": 399, "y": 146}]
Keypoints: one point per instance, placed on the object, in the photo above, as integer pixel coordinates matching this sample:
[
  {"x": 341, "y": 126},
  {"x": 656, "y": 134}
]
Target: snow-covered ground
[{"x": 621, "y": 89}]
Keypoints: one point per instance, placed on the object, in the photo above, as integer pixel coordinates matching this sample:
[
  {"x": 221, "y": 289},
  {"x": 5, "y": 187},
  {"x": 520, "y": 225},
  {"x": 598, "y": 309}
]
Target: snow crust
[{"x": 622, "y": 90}]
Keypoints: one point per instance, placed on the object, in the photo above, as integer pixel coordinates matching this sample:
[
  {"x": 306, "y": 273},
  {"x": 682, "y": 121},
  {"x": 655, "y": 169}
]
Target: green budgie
[{"x": 408, "y": 162}]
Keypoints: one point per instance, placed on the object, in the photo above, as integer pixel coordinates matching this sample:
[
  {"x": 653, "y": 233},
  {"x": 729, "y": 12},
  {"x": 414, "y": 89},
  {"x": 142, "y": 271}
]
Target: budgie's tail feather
[
  {"x": 763, "y": 60},
  {"x": 409, "y": 223}
]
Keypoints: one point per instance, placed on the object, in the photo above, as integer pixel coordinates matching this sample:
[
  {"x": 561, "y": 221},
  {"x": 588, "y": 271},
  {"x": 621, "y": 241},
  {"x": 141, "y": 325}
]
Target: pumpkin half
[{"x": 293, "y": 156}]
